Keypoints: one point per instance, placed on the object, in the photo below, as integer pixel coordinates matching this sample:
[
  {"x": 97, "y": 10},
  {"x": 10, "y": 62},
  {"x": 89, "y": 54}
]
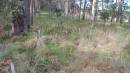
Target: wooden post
[
  {"x": 11, "y": 64},
  {"x": 12, "y": 67}
]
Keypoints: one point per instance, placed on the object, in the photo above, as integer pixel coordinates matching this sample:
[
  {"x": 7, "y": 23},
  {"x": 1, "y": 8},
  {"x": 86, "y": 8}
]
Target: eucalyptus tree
[
  {"x": 80, "y": 6},
  {"x": 36, "y": 5},
  {"x": 66, "y": 7},
  {"x": 94, "y": 9},
  {"x": 28, "y": 14},
  {"x": 84, "y": 9},
  {"x": 106, "y": 3},
  {"x": 118, "y": 10},
  {"x": 121, "y": 8}
]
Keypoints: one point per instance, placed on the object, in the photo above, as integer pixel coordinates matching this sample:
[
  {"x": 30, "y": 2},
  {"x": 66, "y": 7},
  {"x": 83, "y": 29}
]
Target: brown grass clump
[
  {"x": 106, "y": 41},
  {"x": 4, "y": 68},
  {"x": 29, "y": 43},
  {"x": 2, "y": 32}
]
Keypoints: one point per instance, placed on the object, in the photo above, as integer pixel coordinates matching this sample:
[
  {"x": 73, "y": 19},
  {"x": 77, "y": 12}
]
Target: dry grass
[{"x": 71, "y": 47}]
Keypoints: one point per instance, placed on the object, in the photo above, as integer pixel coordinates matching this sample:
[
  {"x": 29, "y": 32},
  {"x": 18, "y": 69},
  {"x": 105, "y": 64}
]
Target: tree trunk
[
  {"x": 129, "y": 21},
  {"x": 102, "y": 5},
  {"x": 66, "y": 7},
  {"x": 28, "y": 15},
  {"x": 36, "y": 7},
  {"x": 116, "y": 1},
  {"x": 18, "y": 24},
  {"x": 121, "y": 15},
  {"x": 84, "y": 10},
  {"x": 96, "y": 10},
  {"x": 93, "y": 16},
  {"x": 80, "y": 9}
]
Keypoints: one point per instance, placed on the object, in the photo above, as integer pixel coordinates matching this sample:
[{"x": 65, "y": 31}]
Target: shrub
[{"x": 105, "y": 15}]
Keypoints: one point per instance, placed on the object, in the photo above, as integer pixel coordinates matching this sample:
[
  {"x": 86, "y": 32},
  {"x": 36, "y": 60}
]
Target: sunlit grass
[
  {"x": 63, "y": 54},
  {"x": 77, "y": 45}
]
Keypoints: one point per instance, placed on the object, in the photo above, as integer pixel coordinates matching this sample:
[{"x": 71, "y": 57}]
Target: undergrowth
[{"x": 104, "y": 40}]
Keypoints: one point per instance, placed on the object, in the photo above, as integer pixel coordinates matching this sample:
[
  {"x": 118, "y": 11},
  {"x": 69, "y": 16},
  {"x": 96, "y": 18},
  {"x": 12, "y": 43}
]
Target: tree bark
[
  {"x": 93, "y": 16},
  {"x": 36, "y": 7},
  {"x": 102, "y": 5},
  {"x": 80, "y": 9},
  {"x": 84, "y": 10},
  {"x": 28, "y": 15},
  {"x": 121, "y": 15},
  {"x": 18, "y": 24},
  {"x": 66, "y": 7},
  {"x": 129, "y": 21}
]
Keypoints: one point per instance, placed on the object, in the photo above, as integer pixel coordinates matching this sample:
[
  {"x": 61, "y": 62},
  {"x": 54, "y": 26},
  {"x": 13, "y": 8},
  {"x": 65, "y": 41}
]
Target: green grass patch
[
  {"x": 4, "y": 39},
  {"x": 11, "y": 50},
  {"x": 21, "y": 38},
  {"x": 63, "y": 54}
]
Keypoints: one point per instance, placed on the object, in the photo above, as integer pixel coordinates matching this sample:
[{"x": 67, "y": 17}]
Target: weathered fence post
[{"x": 12, "y": 67}]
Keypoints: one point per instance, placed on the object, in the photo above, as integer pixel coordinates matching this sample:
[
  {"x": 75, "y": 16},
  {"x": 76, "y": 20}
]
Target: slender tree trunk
[
  {"x": 50, "y": 7},
  {"x": 121, "y": 16},
  {"x": 66, "y": 7},
  {"x": 96, "y": 10},
  {"x": 112, "y": 17},
  {"x": 84, "y": 10},
  {"x": 80, "y": 9},
  {"x": 116, "y": 1},
  {"x": 93, "y": 16},
  {"x": 117, "y": 15},
  {"x": 129, "y": 20},
  {"x": 36, "y": 7},
  {"x": 102, "y": 5}
]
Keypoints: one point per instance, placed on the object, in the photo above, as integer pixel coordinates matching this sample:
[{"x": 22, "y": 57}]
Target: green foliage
[
  {"x": 9, "y": 51},
  {"x": 116, "y": 9},
  {"x": 128, "y": 12},
  {"x": 4, "y": 39},
  {"x": 46, "y": 62},
  {"x": 105, "y": 15},
  {"x": 58, "y": 12},
  {"x": 8, "y": 6},
  {"x": 113, "y": 9},
  {"x": 9, "y": 9},
  {"x": 74, "y": 36}
]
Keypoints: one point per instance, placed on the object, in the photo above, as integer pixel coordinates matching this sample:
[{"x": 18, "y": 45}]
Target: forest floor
[{"x": 67, "y": 45}]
